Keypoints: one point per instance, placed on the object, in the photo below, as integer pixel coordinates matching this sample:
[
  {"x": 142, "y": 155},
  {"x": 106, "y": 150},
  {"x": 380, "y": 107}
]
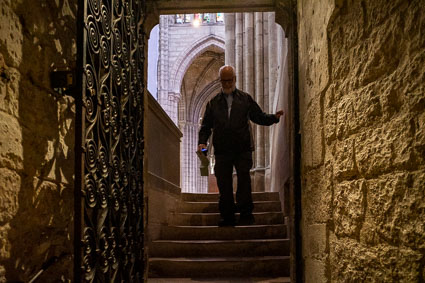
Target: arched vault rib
[
  {"x": 201, "y": 100},
  {"x": 186, "y": 58},
  {"x": 197, "y": 88}
]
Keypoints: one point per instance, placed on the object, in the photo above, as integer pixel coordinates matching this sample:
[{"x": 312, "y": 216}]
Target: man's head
[{"x": 227, "y": 78}]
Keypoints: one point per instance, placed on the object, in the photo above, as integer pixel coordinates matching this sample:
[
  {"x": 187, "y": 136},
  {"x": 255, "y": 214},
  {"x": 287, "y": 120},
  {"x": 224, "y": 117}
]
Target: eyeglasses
[{"x": 227, "y": 81}]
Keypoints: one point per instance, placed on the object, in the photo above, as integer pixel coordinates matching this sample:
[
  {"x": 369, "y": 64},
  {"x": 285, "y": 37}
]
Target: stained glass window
[
  {"x": 179, "y": 18},
  {"x": 206, "y": 18},
  {"x": 187, "y": 18},
  {"x": 220, "y": 17}
]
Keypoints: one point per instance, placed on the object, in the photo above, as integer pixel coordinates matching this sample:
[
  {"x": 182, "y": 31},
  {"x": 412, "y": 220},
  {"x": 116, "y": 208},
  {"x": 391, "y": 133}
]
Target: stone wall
[
  {"x": 36, "y": 140},
  {"x": 362, "y": 80},
  {"x": 162, "y": 155}
]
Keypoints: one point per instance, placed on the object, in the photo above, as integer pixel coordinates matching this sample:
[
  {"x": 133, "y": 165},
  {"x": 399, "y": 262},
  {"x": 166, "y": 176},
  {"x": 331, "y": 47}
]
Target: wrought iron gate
[{"x": 109, "y": 142}]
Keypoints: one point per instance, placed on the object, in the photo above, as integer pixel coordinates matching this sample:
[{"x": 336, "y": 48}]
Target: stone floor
[{"x": 221, "y": 280}]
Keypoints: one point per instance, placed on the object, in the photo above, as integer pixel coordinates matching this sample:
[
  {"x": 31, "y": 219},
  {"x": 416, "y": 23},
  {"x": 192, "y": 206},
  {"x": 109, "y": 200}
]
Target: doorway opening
[{"x": 176, "y": 95}]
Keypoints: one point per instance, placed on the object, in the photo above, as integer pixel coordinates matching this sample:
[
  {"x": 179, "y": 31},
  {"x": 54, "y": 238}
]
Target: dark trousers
[{"x": 224, "y": 173}]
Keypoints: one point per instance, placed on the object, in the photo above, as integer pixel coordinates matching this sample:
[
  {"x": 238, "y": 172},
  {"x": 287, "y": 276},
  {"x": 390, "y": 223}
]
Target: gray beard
[{"x": 229, "y": 91}]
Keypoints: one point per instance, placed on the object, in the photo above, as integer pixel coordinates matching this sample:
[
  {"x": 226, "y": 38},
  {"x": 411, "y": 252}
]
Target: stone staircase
[{"x": 193, "y": 246}]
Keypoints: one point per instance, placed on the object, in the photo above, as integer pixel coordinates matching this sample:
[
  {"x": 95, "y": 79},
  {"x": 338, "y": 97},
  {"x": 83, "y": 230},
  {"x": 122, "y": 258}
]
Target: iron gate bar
[{"x": 109, "y": 144}]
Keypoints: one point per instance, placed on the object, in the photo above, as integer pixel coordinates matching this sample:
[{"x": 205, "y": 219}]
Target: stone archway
[
  {"x": 287, "y": 19},
  {"x": 199, "y": 84},
  {"x": 186, "y": 58}
]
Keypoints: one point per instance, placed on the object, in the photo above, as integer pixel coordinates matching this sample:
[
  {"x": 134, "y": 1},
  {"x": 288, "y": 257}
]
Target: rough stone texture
[
  {"x": 313, "y": 140},
  {"x": 315, "y": 271},
  {"x": 36, "y": 139},
  {"x": 11, "y": 154},
  {"x": 395, "y": 213},
  {"x": 353, "y": 262},
  {"x": 362, "y": 80},
  {"x": 9, "y": 182},
  {"x": 349, "y": 206},
  {"x": 317, "y": 197}
]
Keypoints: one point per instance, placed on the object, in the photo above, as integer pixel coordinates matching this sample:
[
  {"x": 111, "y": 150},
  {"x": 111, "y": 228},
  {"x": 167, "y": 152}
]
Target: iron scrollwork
[{"x": 110, "y": 193}]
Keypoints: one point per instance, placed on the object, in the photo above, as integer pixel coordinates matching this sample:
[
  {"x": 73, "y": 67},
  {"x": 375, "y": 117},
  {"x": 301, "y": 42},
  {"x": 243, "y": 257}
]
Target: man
[{"x": 227, "y": 115}]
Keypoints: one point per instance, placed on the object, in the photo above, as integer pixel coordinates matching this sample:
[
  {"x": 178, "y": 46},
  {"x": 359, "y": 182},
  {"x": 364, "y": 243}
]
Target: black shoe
[
  {"x": 226, "y": 222},
  {"x": 246, "y": 220}
]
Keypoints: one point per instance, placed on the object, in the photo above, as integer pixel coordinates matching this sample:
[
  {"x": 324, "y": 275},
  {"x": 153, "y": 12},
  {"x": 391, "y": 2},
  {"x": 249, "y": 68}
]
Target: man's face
[{"x": 228, "y": 81}]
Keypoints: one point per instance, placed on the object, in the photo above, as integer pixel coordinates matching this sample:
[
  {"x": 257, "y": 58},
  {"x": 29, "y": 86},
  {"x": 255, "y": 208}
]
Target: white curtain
[{"x": 280, "y": 132}]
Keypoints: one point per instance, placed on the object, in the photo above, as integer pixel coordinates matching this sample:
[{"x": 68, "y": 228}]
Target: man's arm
[
  {"x": 205, "y": 131},
  {"x": 257, "y": 115}
]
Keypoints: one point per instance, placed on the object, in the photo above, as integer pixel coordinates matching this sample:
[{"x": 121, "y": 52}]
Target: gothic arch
[
  {"x": 202, "y": 99},
  {"x": 189, "y": 55},
  {"x": 200, "y": 94}
]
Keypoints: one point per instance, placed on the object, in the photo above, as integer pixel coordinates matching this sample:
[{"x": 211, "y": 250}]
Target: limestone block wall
[
  {"x": 36, "y": 140},
  {"x": 362, "y": 79}
]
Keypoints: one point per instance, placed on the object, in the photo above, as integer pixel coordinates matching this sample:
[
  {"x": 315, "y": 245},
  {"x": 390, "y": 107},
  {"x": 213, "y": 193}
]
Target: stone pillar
[
  {"x": 248, "y": 60},
  {"x": 272, "y": 65},
  {"x": 239, "y": 50},
  {"x": 172, "y": 106},
  {"x": 163, "y": 63},
  {"x": 259, "y": 96},
  {"x": 200, "y": 183},
  {"x": 193, "y": 173},
  {"x": 266, "y": 104},
  {"x": 191, "y": 179},
  {"x": 184, "y": 161},
  {"x": 229, "y": 20},
  {"x": 272, "y": 58},
  {"x": 249, "y": 79},
  {"x": 191, "y": 161},
  {"x": 266, "y": 100}
]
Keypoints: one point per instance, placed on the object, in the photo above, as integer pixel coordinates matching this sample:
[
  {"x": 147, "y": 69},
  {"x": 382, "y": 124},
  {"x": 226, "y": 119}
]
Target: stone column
[
  {"x": 194, "y": 170},
  {"x": 273, "y": 62},
  {"x": 184, "y": 161},
  {"x": 172, "y": 106},
  {"x": 191, "y": 165},
  {"x": 259, "y": 97},
  {"x": 259, "y": 84},
  {"x": 249, "y": 79},
  {"x": 191, "y": 179},
  {"x": 248, "y": 60},
  {"x": 272, "y": 58},
  {"x": 239, "y": 50},
  {"x": 266, "y": 107},
  {"x": 229, "y": 20},
  {"x": 200, "y": 183},
  {"x": 163, "y": 63}
]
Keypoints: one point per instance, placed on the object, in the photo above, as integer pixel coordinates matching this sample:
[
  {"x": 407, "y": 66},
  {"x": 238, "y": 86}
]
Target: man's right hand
[{"x": 201, "y": 146}]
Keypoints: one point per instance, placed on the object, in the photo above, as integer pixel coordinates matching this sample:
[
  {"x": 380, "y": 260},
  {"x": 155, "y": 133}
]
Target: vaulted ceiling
[{"x": 201, "y": 78}]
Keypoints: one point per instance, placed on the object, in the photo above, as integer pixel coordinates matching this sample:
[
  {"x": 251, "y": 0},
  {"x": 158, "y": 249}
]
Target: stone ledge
[{"x": 160, "y": 184}]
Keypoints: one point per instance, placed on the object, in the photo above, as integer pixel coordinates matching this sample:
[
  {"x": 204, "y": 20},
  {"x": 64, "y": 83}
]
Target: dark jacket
[{"x": 232, "y": 134}]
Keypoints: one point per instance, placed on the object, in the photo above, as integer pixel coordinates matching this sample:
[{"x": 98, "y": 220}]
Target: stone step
[
  {"x": 223, "y": 233},
  {"x": 211, "y": 219},
  {"x": 213, "y": 197},
  {"x": 219, "y": 248},
  {"x": 219, "y": 267},
  {"x": 218, "y": 279},
  {"x": 210, "y": 207}
]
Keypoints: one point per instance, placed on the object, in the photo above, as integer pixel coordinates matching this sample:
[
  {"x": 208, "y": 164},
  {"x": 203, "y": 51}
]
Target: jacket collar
[{"x": 235, "y": 93}]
